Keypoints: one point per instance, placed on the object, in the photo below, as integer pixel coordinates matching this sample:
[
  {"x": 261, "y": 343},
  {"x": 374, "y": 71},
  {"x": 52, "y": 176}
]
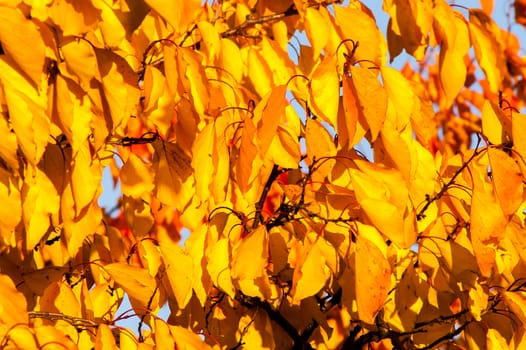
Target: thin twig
[{"x": 250, "y": 22}]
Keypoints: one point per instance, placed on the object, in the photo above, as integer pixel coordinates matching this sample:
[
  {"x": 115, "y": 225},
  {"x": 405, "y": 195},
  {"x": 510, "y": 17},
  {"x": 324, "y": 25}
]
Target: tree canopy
[{"x": 239, "y": 121}]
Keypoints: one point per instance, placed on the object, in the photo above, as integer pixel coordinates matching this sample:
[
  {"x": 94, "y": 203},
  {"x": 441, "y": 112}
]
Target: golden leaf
[
  {"x": 310, "y": 273},
  {"x": 13, "y": 305},
  {"x": 179, "y": 270},
  {"x": 71, "y": 17},
  {"x": 196, "y": 77},
  {"x": 85, "y": 178},
  {"x": 409, "y": 25},
  {"x": 250, "y": 257},
  {"x": 260, "y": 73},
  {"x": 248, "y": 164},
  {"x": 40, "y": 201},
  {"x": 119, "y": 83},
  {"x": 401, "y": 98},
  {"x": 74, "y": 112},
  {"x": 267, "y": 115},
  {"x": 27, "y": 112},
  {"x": 371, "y": 97},
  {"x": 136, "y": 177},
  {"x": 219, "y": 266},
  {"x": 319, "y": 142},
  {"x": 185, "y": 339},
  {"x": 11, "y": 210},
  {"x": 179, "y": 14},
  {"x": 373, "y": 276},
  {"x": 22, "y": 40},
  {"x": 58, "y": 297},
  {"x": 507, "y": 180},
  {"x": 363, "y": 30},
  {"x": 485, "y": 36},
  {"x": 136, "y": 282},
  {"x": 105, "y": 339},
  {"x": 317, "y": 30},
  {"x": 324, "y": 90},
  {"x": 455, "y": 43},
  {"x": 173, "y": 175}
]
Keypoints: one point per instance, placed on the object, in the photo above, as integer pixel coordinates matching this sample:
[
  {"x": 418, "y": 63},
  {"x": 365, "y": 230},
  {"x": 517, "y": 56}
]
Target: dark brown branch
[
  {"x": 278, "y": 318},
  {"x": 447, "y": 336},
  {"x": 251, "y": 22},
  {"x": 77, "y": 322},
  {"x": 149, "y": 309},
  {"x": 451, "y": 182},
  {"x": 259, "y": 205}
]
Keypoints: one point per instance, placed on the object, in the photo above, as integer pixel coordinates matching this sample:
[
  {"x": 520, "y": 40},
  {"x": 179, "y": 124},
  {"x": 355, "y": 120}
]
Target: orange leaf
[
  {"x": 373, "y": 277},
  {"x": 371, "y": 97},
  {"x": 136, "y": 282},
  {"x": 268, "y": 114},
  {"x": 507, "y": 180},
  {"x": 455, "y": 43},
  {"x": 22, "y": 40},
  {"x": 174, "y": 183}
]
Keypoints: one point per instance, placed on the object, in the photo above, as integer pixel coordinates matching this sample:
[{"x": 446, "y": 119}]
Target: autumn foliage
[{"x": 239, "y": 120}]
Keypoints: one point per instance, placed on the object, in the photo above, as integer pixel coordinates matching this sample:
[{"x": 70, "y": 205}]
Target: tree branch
[{"x": 251, "y": 22}]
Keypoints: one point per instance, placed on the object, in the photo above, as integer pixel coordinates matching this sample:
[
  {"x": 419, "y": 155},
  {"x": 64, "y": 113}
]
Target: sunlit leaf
[
  {"x": 179, "y": 270},
  {"x": 455, "y": 43},
  {"x": 324, "y": 88},
  {"x": 373, "y": 274},
  {"x": 22, "y": 40},
  {"x": 136, "y": 281}
]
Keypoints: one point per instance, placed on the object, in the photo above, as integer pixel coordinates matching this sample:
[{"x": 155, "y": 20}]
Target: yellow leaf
[
  {"x": 248, "y": 164},
  {"x": 198, "y": 84},
  {"x": 211, "y": 40},
  {"x": 517, "y": 130},
  {"x": 219, "y": 266},
  {"x": 203, "y": 160},
  {"x": 40, "y": 201},
  {"x": 22, "y": 40},
  {"x": 179, "y": 270},
  {"x": 317, "y": 30},
  {"x": 9, "y": 145},
  {"x": 516, "y": 301},
  {"x": 324, "y": 90},
  {"x": 13, "y": 305},
  {"x": 284, "y": 149},
  {"x": 492, "y": 125},
  {"x": 136, "y": 178},
  {"x": 119, "y": 83},
  {"x": 350, "y": 120},
  {"x": 185, "y": 339},
  {"x": 410, "y": 24},
  {"x": 455, "y": 43},
  {"x": 158, "y": 100},
  {"x": 310, "y": 273},
  {"x": 58, "y": 297},
  {"x": 260, "y": 72},
  {"x": 375, "y": 199},
  {"x": 363, "y": 30},
  {"x": 136, "y": 282},
  {"x": 111, "y": 26},
  {"x": 319, "y": 142},
  {"x": 373, "y": 276},
  {"x": 507, "y": 180},
  {"x": 485, "y": 35},
  {"x": 401, "y": 98},
  {"x": 105, "y": 339},
  {"x": 179, "y": 14},
  {"x": 80, "y": 61},
  {"x": 27, "y": 112},
  {"x": 85, "y": 178},
  {"x": 250, "y": 255},
  {"x": 75, "y": 19},
  {"x": 267, "y": 115},
  {"x": 371, "y": 97},
  {"x": 163, "y": 338},
  {"x": 173, "y": 175},
  {"x": 11, "y": 210},
  {"x": 23, "y": 338},
  {"x": 74, "y": 111},
  {"x": 230, "y": 59}
]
